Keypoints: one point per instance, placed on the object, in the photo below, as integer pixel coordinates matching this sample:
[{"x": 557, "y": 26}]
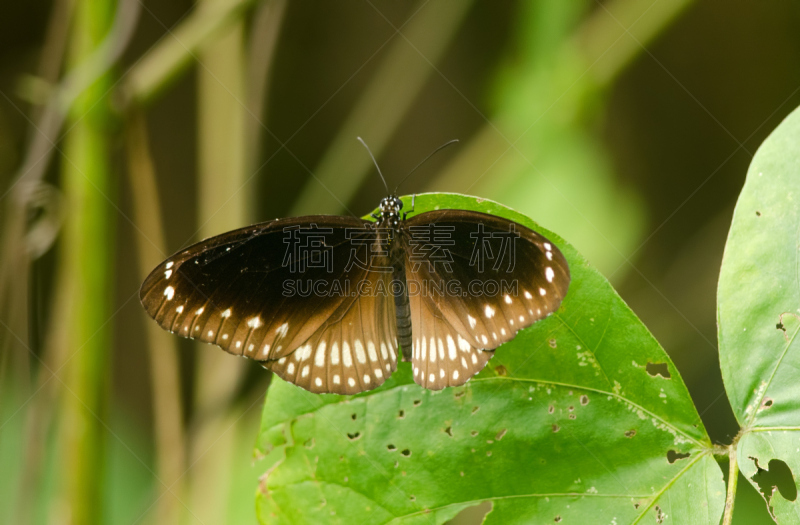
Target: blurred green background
[{"x": 130, "y": 130}]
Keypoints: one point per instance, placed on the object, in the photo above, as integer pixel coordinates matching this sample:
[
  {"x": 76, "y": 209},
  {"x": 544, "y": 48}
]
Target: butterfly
[{"x": 326, "y": 302}]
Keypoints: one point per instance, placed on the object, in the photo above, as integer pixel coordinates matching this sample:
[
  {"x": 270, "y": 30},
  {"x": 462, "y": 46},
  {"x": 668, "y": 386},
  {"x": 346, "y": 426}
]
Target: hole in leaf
[
  {"x": 758, "y": 213},
  {"x": 658, "y": 369},
  {"x": 417, "y": 402},
  {"x": 551, "y": 409},
  {"x": 556, "y": 428},
  {"x": 557, "y": 519},
  {"x": 459, "y": 394},
  {"x": 766, "y": 403},
  {"x": 401, "y": 414},
  {"x": 571, "y": 408},
  {"x": 630, "y": 433},
  {"x": 406, "y": 452},
  {"x": 673, "y": 456},
  {"x": 660, "y": 517},
  {"x": 353, "y": 417},
  {"x": 779, "y": 476},
  {"x": 552, "y": 343},
  {"x": 573, "y": 416},
  {"x": 309, "y": 443},
  {"x": 449, "y": 431},
  {"x": 584, "y": 400},
  {"x": 500, "y": 434},
  {"x": 501, "y": 370},
  {"x": 412, "y": 497},
  {"x": 475, "y": 409},
  {"x": 391, "y": 448},
  {"x": 488, "y": 453},
  {"x": 353, "y": 437},
  {"x": 473, "y": 433}
]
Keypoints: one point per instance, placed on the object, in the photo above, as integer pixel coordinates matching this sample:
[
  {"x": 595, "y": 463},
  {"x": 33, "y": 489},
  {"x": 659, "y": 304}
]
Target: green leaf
[
  {"x": 570, "y": 420},
  {"x": 759, "y": 303}
]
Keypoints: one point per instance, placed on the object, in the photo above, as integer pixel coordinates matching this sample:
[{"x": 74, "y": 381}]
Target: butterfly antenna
[
  {"x": 374, "y": 162},
  {"x": 434, "y": 152}
]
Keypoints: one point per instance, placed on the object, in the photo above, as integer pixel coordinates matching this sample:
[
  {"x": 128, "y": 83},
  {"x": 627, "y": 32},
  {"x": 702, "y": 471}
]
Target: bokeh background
[{"x": 131, "y": 129}]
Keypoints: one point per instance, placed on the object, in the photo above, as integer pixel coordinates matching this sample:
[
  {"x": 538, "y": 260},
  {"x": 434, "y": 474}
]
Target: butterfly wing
[
  {"x": 278, "y": 292},
  {"x": 474, "y": 280}
]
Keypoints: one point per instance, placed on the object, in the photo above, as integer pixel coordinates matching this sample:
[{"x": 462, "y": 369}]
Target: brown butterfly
[{"x": 325, "y": 302}]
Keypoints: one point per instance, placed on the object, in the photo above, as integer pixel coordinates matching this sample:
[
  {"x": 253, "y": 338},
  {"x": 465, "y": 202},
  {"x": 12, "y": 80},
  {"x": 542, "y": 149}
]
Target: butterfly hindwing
[
  {"x": 353, "y": 351},
  {"x": 479, "y": 278}
]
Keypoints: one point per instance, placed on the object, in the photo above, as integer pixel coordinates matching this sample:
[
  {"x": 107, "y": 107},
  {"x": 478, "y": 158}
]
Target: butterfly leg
[{"x": 413, "y": 198}]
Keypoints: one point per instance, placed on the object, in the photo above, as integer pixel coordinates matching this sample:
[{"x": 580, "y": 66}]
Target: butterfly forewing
[{"x": 479, "y": 278}]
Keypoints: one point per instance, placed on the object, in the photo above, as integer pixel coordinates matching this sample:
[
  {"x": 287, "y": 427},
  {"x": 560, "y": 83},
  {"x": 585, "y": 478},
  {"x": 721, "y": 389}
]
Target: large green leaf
[
  {"x": 573, "y": 421},
  {"x": 759, "y": 302}
]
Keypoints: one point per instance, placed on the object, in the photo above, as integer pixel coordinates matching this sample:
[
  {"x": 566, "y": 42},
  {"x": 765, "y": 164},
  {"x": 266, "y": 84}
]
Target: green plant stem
[
  {"x": 176, "y": 52},
  {"x": 401, "y": 76},
  {"x": 601, "y": 39},
  {"x": 223, "y": 198},
  {"x": 87, "y": 248},
  {"x": 733, "y": 479},
  {"x": 162, "y": 347}
]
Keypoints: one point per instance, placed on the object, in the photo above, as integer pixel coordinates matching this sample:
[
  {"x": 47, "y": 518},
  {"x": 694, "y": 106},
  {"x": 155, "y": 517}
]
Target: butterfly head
[{"x": 390, "y": 210}]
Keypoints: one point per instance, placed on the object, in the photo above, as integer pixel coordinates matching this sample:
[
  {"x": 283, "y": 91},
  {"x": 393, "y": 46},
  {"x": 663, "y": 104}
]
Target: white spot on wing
[
  {"x": 373, "y": 355},
  {"x": 347, "y": 359},
  {"x": 508, "y": 299},
  {"x": 304, "y": 373},
  {"x": 319, "y": 357},
  {"x": 318, "y": 382},
  {"x": 359, "y": 348},
  {"x": 488, "y": 311},
  {"x": 167, "y": 274},
  {"x": 169, "y": 265},
  {"x": 367, "y": 379},
  {"x": 351, "y": 381},
  {"x": 336, "y": 379},
  {"x": 547, "y": 246},
  {"x": 199, "y": 311},
  {"x": 472, "y": 321},
  {"x": 335, "y": 353},
  {"x": 226, "y": 313},
  {"x": 484, "y": 339},
  {"x": 254, "y": 323},
  {"x": 455, "y": 374},
  {"x": 549, "y": 274},
  {"x": 290, "y": 368},
  {"x": 542, "y": 292},
  {"x": 282, "y": 329},
  {"x": 451, "y": 348},
  {"x": 549, "y": 255},
  {"x": 169, "y": 291},
  {"x": 528, "y": 295},
  {"x": 179, "y": 309}
]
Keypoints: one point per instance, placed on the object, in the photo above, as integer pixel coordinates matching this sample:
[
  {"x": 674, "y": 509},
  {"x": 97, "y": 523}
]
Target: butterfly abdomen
[{"x": 402, "y": 309}]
